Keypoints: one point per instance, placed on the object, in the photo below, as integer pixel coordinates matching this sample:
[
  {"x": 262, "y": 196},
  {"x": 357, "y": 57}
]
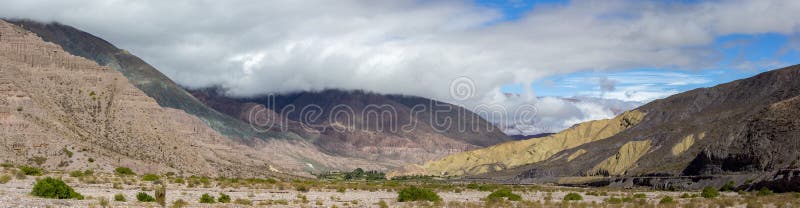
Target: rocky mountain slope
[
  {"x": 392, "y": 130},
  {"x": 60, "y": 111},
  {"x": 745, "y": 127}
]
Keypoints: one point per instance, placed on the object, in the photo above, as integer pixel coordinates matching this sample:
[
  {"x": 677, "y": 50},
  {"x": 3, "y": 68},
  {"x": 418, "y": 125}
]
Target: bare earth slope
[{"x": 60, "y": 111}]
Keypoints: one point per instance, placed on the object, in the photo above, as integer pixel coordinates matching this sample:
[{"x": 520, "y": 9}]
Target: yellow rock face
[
  {"x": 576, "y": 154},
  {"x": 516, "y": 153},
  {"x": 686, "y": 143},
  {"x": 625, "y": 158}
]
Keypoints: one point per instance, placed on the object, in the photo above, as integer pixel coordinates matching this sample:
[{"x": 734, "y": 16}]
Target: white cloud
[{"x": 408, "y": 47}]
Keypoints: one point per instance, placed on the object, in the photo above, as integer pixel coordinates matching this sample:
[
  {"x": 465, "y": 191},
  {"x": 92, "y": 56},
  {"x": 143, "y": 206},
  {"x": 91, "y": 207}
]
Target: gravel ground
[{"x": 15, "y": 193}]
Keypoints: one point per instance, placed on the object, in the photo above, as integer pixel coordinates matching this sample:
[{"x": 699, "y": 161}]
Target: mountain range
[
  {"x": 745, "y": 131},
  {"x": 295, "y": 149},
  {"x": 70, "y": 100}
]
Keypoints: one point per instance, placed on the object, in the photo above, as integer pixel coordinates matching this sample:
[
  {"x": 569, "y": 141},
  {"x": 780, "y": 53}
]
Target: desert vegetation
[{"x": 125, "y": 188}]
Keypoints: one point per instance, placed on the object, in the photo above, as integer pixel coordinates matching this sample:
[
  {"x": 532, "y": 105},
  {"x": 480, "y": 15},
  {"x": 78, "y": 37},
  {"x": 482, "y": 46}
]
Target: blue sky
[{"x": 737, "y": 56}]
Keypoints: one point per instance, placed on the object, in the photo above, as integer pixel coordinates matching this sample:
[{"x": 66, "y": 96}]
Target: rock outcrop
[{"x": 516, "y": 153}]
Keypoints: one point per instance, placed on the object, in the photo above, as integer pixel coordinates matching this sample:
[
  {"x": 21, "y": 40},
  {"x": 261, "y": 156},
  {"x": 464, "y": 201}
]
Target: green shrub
[
  {"x": 31, "y": 171},
  {"x": 224, "y": 198},
  {"x": 149, "y": 177},
  {"x": 709, "y": 192},
  {"x": 639, "y": 196},
  {"x": 124, "y": 171},
  {"x": 119, "y": 197},
  {"x": 728, "y": 187},
  {"x": 144, "y": 197},
  {"x": 54, "y": 189},
  {"x": 5, "y": 179},
  {"x": 764, "y": 191},
  {"x": 417, "y": 194},
  {"x": 88, "y": 172},
  {"x": 206, "y": 199},
  {"x": 573, "y": 197},
  {"x": 503, "y": 193},
  {"x": 666, "y": 200}
]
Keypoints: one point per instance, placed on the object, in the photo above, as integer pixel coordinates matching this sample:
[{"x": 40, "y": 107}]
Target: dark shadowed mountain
[{"x": 393, "y": 129}]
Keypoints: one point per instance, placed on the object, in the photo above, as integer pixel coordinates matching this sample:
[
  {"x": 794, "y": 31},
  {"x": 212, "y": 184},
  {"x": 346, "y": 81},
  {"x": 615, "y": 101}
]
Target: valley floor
[{"x": 99, "y": 190}]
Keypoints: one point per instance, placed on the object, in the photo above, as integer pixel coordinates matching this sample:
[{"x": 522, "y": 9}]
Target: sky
[{"x": 620, "y": 50}]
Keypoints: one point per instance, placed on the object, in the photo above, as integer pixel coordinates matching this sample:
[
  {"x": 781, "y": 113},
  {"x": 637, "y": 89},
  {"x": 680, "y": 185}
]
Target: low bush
[
  {"x": 503, "y": 193},
  {"x": 666, "y": 200},
  {"x": 613, "y": 200},
  {"x": 764, "y": 191},
  {"x": 639, "y": 196},
  {"x": 709, "y": 192},
  {"x": 417, "y": 194},
  {"x": 728, "y": 187},
  {"x": 179, "y": 203},
  {"x": 5, "y": 179},
  {"x": 149, "y": 177},
  {"x": 206, "y": 199},
  {"x": 54, "y": 189},
  {"x": 31, "y": 171},
  {"x": 119, "y": 197},
  {"x": 224, "y": 198},
  {"x": 573, "y": 197},
  {"x": 124, "y": 171},
  {"x": 144, "y": 197}
]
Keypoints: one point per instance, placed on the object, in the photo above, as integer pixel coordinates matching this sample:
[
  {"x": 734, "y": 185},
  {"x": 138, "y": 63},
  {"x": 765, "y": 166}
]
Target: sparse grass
[
  {"x": 103, "y": 201},
  {"x": 639, "y": 196},
  {"x": 243, "y": 202},
  {"x": 179, "y": 203},
  {"x": 76, "y": 174}
]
